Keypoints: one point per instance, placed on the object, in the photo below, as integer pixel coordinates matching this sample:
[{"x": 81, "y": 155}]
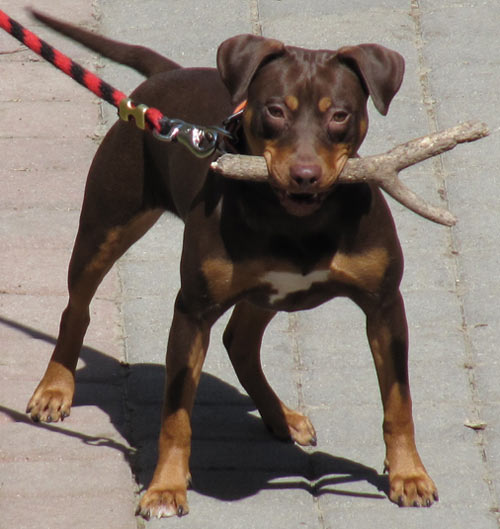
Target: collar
[{"x": 232, "y": 124}]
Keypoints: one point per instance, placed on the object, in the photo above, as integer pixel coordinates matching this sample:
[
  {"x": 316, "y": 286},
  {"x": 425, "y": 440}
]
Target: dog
[{"x": 288, "y": 244}]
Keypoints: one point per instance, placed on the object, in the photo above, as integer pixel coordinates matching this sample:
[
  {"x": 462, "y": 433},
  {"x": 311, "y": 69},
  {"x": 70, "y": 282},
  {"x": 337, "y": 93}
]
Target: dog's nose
[{"x": 305, "y": 174}]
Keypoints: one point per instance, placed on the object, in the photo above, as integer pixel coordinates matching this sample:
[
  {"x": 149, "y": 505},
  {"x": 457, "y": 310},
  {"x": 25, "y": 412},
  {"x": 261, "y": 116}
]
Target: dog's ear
[
  {"x": 238, "y": 59},
  {"x": 380, "y": 69}
]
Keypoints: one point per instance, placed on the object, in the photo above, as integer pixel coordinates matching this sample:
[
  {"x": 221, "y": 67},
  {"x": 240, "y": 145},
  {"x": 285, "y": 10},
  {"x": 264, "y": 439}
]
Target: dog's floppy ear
[
  {"x": 380, "y": 69},
  {"x": 238, "y": 58}
]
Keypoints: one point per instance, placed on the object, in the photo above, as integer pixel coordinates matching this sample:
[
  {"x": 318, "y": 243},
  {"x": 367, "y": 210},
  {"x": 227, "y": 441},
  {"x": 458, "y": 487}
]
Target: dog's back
[{"x": 195, "y": 95}]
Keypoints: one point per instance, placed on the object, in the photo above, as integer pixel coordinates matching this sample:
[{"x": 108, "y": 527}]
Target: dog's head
[{"x": 306, "y": 110}]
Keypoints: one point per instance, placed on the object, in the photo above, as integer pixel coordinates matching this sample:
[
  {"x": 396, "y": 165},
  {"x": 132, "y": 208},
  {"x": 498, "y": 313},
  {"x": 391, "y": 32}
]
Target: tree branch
[{"x": 382, "y": 169}]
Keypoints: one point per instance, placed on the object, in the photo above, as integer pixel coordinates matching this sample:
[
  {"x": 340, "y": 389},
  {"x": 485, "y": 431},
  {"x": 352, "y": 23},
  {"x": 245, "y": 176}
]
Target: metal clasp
[
  {"x": 127, "y": 110},
  {"x": 200, "y": 141}
]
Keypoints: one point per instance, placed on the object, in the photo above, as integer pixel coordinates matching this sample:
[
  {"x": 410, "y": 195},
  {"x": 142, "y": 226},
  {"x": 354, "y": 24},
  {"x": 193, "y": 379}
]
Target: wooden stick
[{"x": 382, "y": 169}]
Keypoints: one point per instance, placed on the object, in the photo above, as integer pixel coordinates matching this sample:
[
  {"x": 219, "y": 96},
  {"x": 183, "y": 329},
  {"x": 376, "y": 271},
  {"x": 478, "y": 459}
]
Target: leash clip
[
  {"x": 127, "y": 109},
  {"x": 202, "y": 142}
]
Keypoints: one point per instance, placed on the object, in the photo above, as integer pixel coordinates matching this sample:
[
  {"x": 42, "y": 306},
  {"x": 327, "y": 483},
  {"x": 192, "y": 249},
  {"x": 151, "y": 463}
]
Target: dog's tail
[{"x": 145, "y": 61}]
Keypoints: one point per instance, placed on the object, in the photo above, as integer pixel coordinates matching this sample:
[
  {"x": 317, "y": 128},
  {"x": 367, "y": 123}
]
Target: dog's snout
[{"x": 305, "y": 174}]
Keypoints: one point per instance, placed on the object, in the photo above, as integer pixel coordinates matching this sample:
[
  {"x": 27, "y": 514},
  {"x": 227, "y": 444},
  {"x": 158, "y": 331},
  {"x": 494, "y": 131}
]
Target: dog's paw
[
  {"x": 53, "y": 397},
  {"x": 50, "y": 405},
  {"x": 163, "y": 503},
  {"x": 291, "y": 425},
  {"x": 301, "y": 429},
  {"x": 412, "y": 488}
]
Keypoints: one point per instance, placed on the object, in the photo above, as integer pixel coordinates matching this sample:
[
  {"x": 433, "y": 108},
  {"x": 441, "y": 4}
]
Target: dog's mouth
[{"x": 300, "y": 204}]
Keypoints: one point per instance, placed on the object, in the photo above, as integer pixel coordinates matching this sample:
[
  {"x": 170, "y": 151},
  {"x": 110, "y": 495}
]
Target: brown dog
[{"x": 289, "y": 244}]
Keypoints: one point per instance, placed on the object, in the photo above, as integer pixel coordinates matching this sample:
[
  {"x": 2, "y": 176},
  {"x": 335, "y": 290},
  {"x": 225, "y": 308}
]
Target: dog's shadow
[{"x": 233, "y": 455}]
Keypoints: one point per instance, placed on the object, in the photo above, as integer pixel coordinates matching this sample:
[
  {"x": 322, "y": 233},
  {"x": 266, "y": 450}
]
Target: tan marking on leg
[
  {"x": 119, "y": 239},
  {"x": 365, "y": 270},
  {"x": 53, "y": 397},
  {"x": 188, "y": 342},
  {"x": 410, "y": 485},
  {"x": 226, "y": 279}
]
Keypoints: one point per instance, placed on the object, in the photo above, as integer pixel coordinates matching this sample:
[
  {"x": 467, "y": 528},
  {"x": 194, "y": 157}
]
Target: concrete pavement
[{"x": 88, "y": 471}]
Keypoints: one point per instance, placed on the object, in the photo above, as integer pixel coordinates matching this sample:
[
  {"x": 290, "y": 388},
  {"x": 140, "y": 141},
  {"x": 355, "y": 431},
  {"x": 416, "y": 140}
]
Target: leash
[{"x": 201, "y": 141}]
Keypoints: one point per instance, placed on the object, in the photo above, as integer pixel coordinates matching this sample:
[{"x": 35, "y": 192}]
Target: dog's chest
[{"x": 285, "y": 283}]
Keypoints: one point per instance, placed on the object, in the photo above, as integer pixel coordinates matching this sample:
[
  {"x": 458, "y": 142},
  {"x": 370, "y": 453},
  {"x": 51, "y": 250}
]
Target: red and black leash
[{"x": 201, "y": 141}]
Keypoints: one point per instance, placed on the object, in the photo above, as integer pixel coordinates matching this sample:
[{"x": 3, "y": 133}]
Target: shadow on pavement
[{"x": 233, "y": 455}]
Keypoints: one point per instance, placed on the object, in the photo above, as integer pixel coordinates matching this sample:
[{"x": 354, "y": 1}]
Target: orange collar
[
  {"x": 232, "y": 125},
  {"x": 240, "y": 107}
]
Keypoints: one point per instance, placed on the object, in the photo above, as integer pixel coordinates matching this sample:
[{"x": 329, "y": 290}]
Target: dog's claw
[
  {"x": 163, "y": 504},
  {"x": 50, "y": 403},
  {"x": 415, "y": 489}
]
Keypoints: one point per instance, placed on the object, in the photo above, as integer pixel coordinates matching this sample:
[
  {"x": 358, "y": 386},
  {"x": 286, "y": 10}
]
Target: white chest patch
[{"x": 285, "y": 283}]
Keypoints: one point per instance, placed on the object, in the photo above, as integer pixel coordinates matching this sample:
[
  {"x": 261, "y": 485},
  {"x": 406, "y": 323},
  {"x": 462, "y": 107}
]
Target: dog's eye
[
  {"x": 275, "y": 111},
  {"x": 338, "y": 124},
  {"x": 340, "y": 116}
]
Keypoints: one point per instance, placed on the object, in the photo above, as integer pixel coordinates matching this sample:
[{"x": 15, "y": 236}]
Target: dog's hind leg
[
  {"x": 112, "y": 220},
  {"x": 243, "y": 338}
]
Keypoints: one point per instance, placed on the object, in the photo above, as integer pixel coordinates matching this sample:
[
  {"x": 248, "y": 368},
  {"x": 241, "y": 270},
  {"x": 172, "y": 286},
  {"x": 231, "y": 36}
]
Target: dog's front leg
[
  {"x": 410, "y": 485},
  {"x": 187, "y": 346}
]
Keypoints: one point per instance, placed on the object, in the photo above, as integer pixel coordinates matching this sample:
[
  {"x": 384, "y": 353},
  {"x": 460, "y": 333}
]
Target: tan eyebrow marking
[
  {"x": 292, "y": 103},
  {"x": 324, "y": 104}
]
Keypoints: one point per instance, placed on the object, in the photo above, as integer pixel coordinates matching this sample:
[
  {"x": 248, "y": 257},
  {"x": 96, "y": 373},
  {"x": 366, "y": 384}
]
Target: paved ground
[{"x": 88, "y": 471}]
